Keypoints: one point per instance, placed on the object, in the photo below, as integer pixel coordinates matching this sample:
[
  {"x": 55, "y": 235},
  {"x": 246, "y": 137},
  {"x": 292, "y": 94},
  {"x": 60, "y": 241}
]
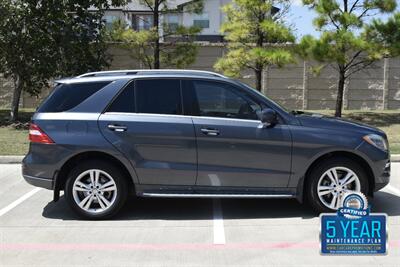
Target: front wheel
[
  {"x": 96, "y": 189},
  {"x": 331, "y": 179}
]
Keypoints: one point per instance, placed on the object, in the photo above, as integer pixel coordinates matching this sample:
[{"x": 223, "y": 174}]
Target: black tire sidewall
[
  {"x": 114, "y": 172},
  {"x": 316, "y": 173}
]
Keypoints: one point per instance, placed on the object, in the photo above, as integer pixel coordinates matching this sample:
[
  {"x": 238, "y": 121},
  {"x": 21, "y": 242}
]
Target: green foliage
[
  {"x": 195, "y": 6},
  {"x": 178, "y": 55},
  {"x": 254, "y": 35},
  {"x": 386, "y": 33},
  {"x": 137, "y": 42},
  {"x": 178, "y": 49},
  {"x": 46, "y": 39},
  {"x": 348, "y": 41},
  {"x": 41, "y": 40}
]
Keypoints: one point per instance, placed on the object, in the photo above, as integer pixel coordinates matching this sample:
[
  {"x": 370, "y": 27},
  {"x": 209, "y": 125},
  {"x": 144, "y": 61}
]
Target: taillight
[{"x": 36, "y": 135}]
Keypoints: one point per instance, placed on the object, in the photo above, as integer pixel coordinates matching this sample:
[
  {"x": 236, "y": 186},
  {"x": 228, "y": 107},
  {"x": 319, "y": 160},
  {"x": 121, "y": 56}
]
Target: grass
[{"x": 14, "y": 136}]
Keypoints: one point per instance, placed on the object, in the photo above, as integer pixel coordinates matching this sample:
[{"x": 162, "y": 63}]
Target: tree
[
  {"x": 180, "y": 45},
  {"x": 344, "y": 43},
  {"x": 40, "y": 40},
  {"x": 257, "y": 38},
  {"x": 179, "y": 51},
  {"x": 386, "y": 33}
]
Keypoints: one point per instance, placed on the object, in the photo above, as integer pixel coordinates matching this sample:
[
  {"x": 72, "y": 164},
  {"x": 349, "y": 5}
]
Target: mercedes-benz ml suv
[{"x": 101, "y": 136}]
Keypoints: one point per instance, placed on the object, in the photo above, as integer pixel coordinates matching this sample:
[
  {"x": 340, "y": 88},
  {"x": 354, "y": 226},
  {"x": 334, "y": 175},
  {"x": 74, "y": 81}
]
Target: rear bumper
[
  {"x": 39, "y": 181},
  {"x": 38, "y": 172}
]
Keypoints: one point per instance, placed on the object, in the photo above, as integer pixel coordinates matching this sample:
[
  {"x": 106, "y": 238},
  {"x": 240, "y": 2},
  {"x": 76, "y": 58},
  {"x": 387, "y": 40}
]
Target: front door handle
[
  {"x": 209, "y": 131},
  {"x": 117, "y": 128}
]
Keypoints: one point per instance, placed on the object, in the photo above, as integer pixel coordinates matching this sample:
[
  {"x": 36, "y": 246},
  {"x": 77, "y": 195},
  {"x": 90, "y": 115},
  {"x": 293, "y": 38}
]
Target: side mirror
[{"x": 268, "y": 118}]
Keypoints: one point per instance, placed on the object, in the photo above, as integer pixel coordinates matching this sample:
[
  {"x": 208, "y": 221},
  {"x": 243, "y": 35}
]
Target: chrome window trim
[{"x": 178, "y": 116}]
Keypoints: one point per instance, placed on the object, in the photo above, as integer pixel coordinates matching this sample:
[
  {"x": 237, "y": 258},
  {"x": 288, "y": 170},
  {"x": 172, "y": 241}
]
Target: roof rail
[{"x": 148, "y": 71}]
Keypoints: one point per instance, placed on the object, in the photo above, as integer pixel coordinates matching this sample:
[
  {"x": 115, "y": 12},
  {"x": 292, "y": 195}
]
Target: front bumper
[
  {"x": 379, "y": 162},
  {"x": 384, "y": 178}
]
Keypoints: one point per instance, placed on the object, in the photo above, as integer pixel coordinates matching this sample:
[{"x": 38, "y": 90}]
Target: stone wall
[{"x": 377, "y": 87}]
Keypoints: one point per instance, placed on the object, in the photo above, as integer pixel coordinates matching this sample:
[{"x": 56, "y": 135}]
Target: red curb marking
[{"x": 119, "y": 246}]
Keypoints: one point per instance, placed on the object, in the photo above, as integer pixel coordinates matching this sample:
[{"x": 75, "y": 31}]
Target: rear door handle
[
  {"x": 117, "y": 128},
  {"x": 209, "y": 131}
]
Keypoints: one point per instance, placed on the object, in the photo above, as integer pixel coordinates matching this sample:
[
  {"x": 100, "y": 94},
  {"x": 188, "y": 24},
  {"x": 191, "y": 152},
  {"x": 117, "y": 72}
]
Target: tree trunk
[
  {"x": 156, "y": 18},
  {"x": 258, "y": 80},
  {"x": 339, "y": 99},
  {"x": 15, "y": 98}
]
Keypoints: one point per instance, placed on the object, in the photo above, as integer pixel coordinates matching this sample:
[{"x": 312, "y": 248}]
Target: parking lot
[{"x": 174, "y": 232}]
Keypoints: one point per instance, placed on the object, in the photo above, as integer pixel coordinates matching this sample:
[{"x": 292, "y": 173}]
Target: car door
[
  {"x": 233, "y": 150},
  {"x": 146, "y": 124}
]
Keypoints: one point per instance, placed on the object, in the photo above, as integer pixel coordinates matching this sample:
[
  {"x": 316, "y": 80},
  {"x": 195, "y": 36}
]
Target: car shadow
[
  {"x": 202, "y": 209},
  {"x": 192, "y": 209},
  {"x": 384, "y": 202}
]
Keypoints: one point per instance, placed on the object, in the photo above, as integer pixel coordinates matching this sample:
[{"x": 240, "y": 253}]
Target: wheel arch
[
  {"x": 62, "y": 174},
  {"x": 345, "y": 154}
]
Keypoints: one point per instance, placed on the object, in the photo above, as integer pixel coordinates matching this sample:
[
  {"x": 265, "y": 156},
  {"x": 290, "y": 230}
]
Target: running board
[{"x": 174, "y": 195}]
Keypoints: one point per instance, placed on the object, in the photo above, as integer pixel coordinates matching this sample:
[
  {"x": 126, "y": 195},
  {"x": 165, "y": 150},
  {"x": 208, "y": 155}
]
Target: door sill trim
[{"x": 174, "y": 195}]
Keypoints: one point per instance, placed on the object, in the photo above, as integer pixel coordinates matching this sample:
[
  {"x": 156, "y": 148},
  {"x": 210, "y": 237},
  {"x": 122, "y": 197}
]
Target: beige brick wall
[{"x": 377, "y": 87}]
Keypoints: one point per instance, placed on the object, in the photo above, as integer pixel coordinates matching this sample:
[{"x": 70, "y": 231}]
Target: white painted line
[
  {"x": 18, "y": 201},
  {"x": 219, "y": 232},
  {"x": 393, "y": 189}
]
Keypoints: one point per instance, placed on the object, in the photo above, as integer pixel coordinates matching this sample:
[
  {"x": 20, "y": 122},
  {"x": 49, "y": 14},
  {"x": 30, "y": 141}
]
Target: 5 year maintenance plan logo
[{"x": 353, "y": 230}]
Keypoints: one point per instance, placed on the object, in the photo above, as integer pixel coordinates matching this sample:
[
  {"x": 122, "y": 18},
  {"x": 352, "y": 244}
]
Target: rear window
[{"x": 68, "y": 96}]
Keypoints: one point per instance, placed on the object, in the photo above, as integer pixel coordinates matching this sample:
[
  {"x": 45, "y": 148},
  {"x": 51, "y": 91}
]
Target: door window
[
  {"x": 125, "y": 101},
  {"x": 213, "y": 99},
  {"x": 158, "y": 96}
]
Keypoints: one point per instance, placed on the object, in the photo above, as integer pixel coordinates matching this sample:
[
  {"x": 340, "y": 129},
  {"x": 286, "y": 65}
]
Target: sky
[{"x": 302, "y": 18}]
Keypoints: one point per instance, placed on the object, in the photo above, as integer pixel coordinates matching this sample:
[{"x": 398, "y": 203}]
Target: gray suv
[{"x": 104, "y": 135}]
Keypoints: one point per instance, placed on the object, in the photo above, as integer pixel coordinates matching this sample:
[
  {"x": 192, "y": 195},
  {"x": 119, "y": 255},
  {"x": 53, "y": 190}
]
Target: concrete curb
[
  {"x": 18, "y": 159},
  {"x": 11, "y": 159},
  {"x": 395, "y": 158}
]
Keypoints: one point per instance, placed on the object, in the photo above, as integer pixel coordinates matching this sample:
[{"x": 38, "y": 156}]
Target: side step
[{"x": 174, "y": 195}]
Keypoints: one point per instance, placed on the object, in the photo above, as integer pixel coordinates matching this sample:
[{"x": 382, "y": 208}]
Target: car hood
[{"x": 316, "y": 120}]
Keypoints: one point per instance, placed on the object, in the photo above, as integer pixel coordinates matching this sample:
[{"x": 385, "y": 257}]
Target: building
[{"x": 139, "y": 17}]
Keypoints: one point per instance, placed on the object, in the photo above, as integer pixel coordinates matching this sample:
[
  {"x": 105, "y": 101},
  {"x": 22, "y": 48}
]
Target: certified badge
[{"x": 353, "y": 229}]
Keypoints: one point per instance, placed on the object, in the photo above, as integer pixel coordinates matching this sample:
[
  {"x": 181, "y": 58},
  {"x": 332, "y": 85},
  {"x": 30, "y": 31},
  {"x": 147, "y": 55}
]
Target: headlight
[{"x": 376, "y": 140}]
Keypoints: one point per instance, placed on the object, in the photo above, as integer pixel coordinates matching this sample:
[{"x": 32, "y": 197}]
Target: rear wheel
[
  {"x": 96, "y": 189},
  {"x": 331, "y": 179}
]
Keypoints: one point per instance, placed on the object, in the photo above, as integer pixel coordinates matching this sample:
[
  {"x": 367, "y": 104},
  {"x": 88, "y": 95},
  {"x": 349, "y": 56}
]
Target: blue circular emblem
[{"x": 354, "y": 205}]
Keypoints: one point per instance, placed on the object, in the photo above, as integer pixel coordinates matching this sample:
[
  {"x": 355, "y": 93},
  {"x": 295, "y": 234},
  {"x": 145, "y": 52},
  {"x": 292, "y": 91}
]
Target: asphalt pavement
[{"x": 34, "y": 231}]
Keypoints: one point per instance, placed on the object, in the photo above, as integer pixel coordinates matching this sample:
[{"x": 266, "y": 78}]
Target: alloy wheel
[
  {"x": 94, "y": 191},
  {"x": 334, "y": 183}
]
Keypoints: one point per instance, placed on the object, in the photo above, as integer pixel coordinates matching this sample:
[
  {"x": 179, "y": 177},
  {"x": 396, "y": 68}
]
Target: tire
[
  {"x": 106, "y": 197},
  {"x": 320, "y": 179}
]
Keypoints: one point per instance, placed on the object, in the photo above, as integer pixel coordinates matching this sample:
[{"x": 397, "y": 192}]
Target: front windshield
[{"x": 262, "y": 95}]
